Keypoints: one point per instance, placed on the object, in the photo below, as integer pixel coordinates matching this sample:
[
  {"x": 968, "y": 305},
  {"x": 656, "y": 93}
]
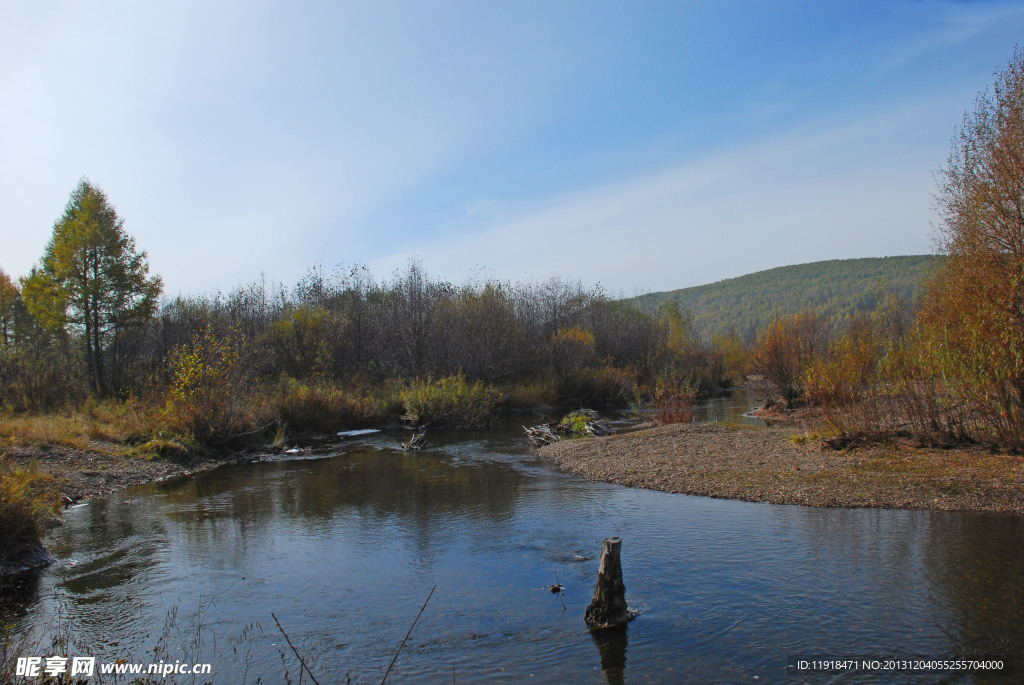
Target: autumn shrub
[
  {"x": 882, "y": 379},
  {"x": 387, "y": 396},
  {"x": 530, "y": 394},
  {"x": 681, "y": 356},
  {"x": 967, "y": 379},
  {"x": 733, "y": 358},
  {"x": 571, "y": 350},
  {"x": 600, "y": 386},
  {"x": 303, "y": 339},
  {"x": 321, "y": 406},
  {"x": 957, "y": 375},
  {"x": 39, "y": 377},
  {"x": 905, "y": 394},
  {"x": 851, "y": 384},
  {"x": 672, "y": 402},
  {"x": 450, "y": 401},
  {"x": 28, "y": 499},
  {"x": 782, "y": 354},
  {"x": 975, "y": 321},
  {"x": 926, "y": 404},
  {"x": 211, "y": 397}
]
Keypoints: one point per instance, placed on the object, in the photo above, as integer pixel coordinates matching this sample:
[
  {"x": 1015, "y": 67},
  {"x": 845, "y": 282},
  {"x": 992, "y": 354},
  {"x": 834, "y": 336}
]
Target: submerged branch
[
  {"x": 296, "y": 651},
  {"x": 399, "y": 650}
]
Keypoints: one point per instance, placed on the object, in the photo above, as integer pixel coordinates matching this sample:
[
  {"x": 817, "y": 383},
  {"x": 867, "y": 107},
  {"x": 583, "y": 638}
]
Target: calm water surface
[{"x": 345, "y": 546}]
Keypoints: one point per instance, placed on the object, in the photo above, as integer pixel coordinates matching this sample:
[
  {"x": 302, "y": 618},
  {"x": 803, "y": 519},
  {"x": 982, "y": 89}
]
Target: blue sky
[{"x": 642, "y": 145}]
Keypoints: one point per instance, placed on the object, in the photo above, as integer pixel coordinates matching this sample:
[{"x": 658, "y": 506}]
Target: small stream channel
[{"x": 345, "y": 543}]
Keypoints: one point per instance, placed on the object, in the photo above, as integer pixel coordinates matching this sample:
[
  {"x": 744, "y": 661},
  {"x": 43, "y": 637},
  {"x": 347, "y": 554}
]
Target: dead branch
[
  {"x": 299, "y": 656},
  {"x": 399, "y": 650}
]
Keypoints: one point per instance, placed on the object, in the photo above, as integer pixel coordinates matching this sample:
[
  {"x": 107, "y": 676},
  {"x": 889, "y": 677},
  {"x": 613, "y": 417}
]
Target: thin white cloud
[
  {"x": 245, "y": 137},
  {"x": 857, "y": 188},
  {"x": 239, "y": 137},
  {"x": 953, "y": 24}
]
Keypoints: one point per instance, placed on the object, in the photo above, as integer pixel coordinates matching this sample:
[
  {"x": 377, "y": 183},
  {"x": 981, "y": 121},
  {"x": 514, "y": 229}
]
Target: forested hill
[{"x": 836, "y": 289}]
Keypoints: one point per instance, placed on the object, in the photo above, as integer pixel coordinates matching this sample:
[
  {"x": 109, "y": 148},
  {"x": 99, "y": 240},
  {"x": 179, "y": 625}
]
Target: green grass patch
[
  {"x": 574, "y": 423},
  {"x": 810, "y": 436},
  {"x": 451, "y": 401}
]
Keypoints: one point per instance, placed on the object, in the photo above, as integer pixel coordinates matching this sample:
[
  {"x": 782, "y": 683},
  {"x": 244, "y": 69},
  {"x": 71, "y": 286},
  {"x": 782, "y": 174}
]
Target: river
[{"x": 344, "y": 544}]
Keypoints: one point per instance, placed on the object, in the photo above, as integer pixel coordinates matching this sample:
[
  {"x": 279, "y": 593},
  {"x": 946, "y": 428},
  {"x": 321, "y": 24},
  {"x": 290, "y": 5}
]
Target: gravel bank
[
  {"x": 765, "y": 465},
  {"x": 83, "y": 475}
]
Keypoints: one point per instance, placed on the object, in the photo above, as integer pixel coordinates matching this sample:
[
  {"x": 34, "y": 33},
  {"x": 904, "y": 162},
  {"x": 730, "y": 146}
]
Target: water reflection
[
  {"x": 966, "y": 567},
  {"x": 345, "y": 548},
  {"x": 611, "y": 645},
  {"x": 729, "y": 407},
  {"x": 18, "y": 591},
  {"x": 375, "y": 483}
]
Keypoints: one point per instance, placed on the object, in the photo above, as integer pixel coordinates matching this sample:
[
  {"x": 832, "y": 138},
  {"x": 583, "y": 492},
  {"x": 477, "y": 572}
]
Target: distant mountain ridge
[{"x": 835, "y": 289}]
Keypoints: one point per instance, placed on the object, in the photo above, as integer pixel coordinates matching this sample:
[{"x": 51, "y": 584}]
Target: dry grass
[
  {"x": 107, "y": 425},
  {"x": 43, "y": 430},
  {"x": 28, "y": 498},
  {"x": 528, "y": 395},
  {"x": 136, "y": 428},
  {"x": 323, "y": 407}
]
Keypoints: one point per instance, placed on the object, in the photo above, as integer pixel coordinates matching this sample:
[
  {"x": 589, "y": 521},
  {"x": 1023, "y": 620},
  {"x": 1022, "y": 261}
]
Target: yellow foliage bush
[
  {"x": 451, "y": 401},
  {"x": 211, "y": 394}
]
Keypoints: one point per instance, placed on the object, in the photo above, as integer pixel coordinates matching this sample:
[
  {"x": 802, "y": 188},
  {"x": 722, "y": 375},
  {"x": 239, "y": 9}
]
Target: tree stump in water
[{"x": 608, "y": 608}]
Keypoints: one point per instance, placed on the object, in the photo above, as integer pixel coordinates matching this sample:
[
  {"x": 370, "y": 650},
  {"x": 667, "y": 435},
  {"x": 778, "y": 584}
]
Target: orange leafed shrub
[{"x": 782, "y": 354}]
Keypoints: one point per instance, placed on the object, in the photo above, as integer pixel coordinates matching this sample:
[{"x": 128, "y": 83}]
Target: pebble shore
[
  {"x": 768, "y": 465},
  {"x": 83, "y": 475},
  {"x": 747, "y": 463}
]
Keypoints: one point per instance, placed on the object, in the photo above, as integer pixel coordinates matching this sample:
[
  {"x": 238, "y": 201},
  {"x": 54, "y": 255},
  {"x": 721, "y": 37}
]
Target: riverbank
[
  {"x": 70, "y": 475},
  {"x": 81, "y": 475},
  {"x": 766, "y": 465},
  {"x": 74, "y": 475}
]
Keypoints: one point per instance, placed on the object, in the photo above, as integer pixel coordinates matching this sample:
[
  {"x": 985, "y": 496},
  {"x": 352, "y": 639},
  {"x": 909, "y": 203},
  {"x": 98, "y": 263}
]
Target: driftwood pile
[
  {"x": 417, "y": 442},
  {"x": 581, "y": 423},
  {"x": 541, "y": 434}
]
